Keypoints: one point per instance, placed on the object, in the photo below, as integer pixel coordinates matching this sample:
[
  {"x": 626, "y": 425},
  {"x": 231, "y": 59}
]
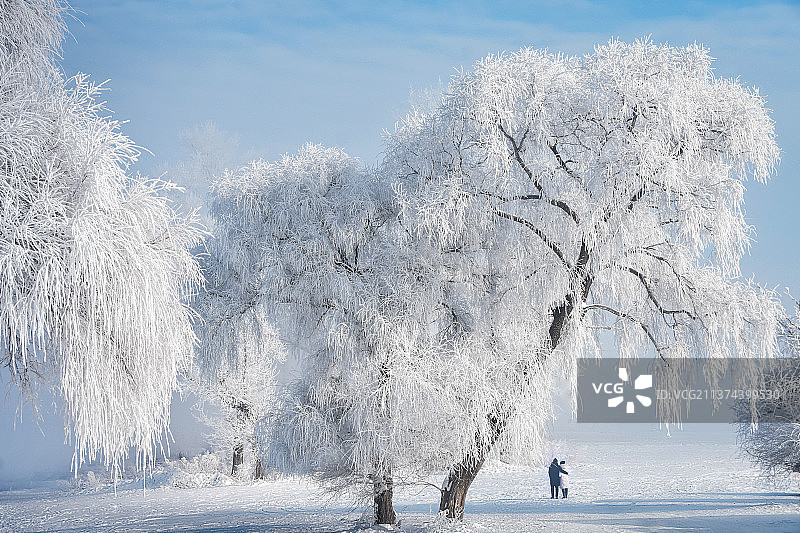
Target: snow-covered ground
[{"x": 623, "y": 478}]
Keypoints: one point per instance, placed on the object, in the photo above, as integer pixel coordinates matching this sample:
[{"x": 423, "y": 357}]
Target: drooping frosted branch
[{"x": 94, "y": 264}]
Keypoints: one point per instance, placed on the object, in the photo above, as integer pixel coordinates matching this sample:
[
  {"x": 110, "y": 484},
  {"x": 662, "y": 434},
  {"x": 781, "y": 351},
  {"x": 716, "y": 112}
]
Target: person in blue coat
[{"x": 555, "y": 472}]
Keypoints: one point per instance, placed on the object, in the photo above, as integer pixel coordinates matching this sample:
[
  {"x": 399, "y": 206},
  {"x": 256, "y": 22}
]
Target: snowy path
[{"x": 661, "y": 485}]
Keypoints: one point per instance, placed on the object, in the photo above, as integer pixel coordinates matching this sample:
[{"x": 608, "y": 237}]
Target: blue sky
[{"x": 280, "y": 74}]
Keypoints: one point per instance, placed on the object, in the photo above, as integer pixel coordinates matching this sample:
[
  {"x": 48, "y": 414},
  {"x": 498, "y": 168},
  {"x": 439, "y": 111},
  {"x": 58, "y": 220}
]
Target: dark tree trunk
[
  {"x": 238, "y": 458},
  {"x": 259, "y": 473},
  {"x": 456, "y": 484},
  {"x": 462, "y": 474},
  {"x": 383, "y": 487}
]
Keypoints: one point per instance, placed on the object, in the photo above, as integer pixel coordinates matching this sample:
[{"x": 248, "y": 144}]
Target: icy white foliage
[
  {"x": 204, "y": 470},
  {"x": 237, "y": 355},
  {"x": 239, "y": 349},
  {"x": 31, "y": 34},
  {"x": 459, "y": 351},
  {"x": 93, "y": 263},
  {"x": 305, "y": 236},
  {"x": 774, "y": 443},
  {"x": 570, "y": 196}
]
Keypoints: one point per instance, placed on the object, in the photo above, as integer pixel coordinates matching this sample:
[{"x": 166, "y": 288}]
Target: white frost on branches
[
  {"x": 94, "y": 264},
  {"x": 575, "y": 195},
  {"x": 239, "y": 350},
  {"x": 429, "y": 305},
  {"x": 306, "y": 239},
  {"x": 769, "y": 427},
  {"x": 241, "y": 384}
]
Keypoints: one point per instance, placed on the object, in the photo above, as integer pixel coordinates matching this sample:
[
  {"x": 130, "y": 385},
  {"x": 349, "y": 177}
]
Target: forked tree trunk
[
  {"x": 383, "y": 487},
  {"x": 238, "y": 457}
]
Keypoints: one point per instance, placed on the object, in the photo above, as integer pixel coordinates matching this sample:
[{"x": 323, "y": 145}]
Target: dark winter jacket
[{"x": 555, "y": 472}]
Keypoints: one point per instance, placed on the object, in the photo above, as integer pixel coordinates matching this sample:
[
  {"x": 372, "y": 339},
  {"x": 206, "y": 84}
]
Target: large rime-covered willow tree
[
  {"x": 93, "y": 263},
  {"x": 609, "y": 189},
  {"x": 307, "y": 238}
]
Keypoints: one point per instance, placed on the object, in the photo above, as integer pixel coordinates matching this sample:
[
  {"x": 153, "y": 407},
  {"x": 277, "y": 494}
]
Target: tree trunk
[
  {"x": 238, "y": 458},
  {"x": 382, "y": 492},
  {"x": 463, "y": 473},
  {"x": 259, "y": 473},
  {"x": 456, "y": 484}
]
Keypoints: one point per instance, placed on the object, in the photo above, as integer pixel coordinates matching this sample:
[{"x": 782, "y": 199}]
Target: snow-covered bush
[
  {"x": 208, "y": 469},
  {"x": 769, "y": 428},
  {"x": 94, "y": 263},
  {"x": 204, "y": 470}
]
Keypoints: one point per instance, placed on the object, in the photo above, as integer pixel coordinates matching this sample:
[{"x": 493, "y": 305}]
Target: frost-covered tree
[
  {"x": 93, "y": 263},
  {"x": 574, "y": 195},
  {"x": 308, "y": 242},
  {"x": 239, "y": 349},
  {"x": 238, "y": 369},
  {"x": 769, "y": 428}
]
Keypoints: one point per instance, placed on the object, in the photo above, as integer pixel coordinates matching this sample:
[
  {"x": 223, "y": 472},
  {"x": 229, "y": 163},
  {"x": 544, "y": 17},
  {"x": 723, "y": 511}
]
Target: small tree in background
[
  {"x": 206, "y": 152},
  {"x": 238, "y": 349},
  {"x": 602, "y": 192},
  {"x": 238, "y": 352},
  {"x": 94, "y": 264},
  {"x": 241, "y": 385}
]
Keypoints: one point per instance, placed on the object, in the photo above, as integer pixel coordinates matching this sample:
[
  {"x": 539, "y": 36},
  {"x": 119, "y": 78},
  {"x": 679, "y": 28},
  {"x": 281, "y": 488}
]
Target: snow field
[{"x": 642, "y": 484}]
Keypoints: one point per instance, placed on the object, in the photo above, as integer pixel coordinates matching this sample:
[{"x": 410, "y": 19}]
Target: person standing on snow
[
  {"x": 555, "y": 472},
  {"x": 564, "y": 481}
]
